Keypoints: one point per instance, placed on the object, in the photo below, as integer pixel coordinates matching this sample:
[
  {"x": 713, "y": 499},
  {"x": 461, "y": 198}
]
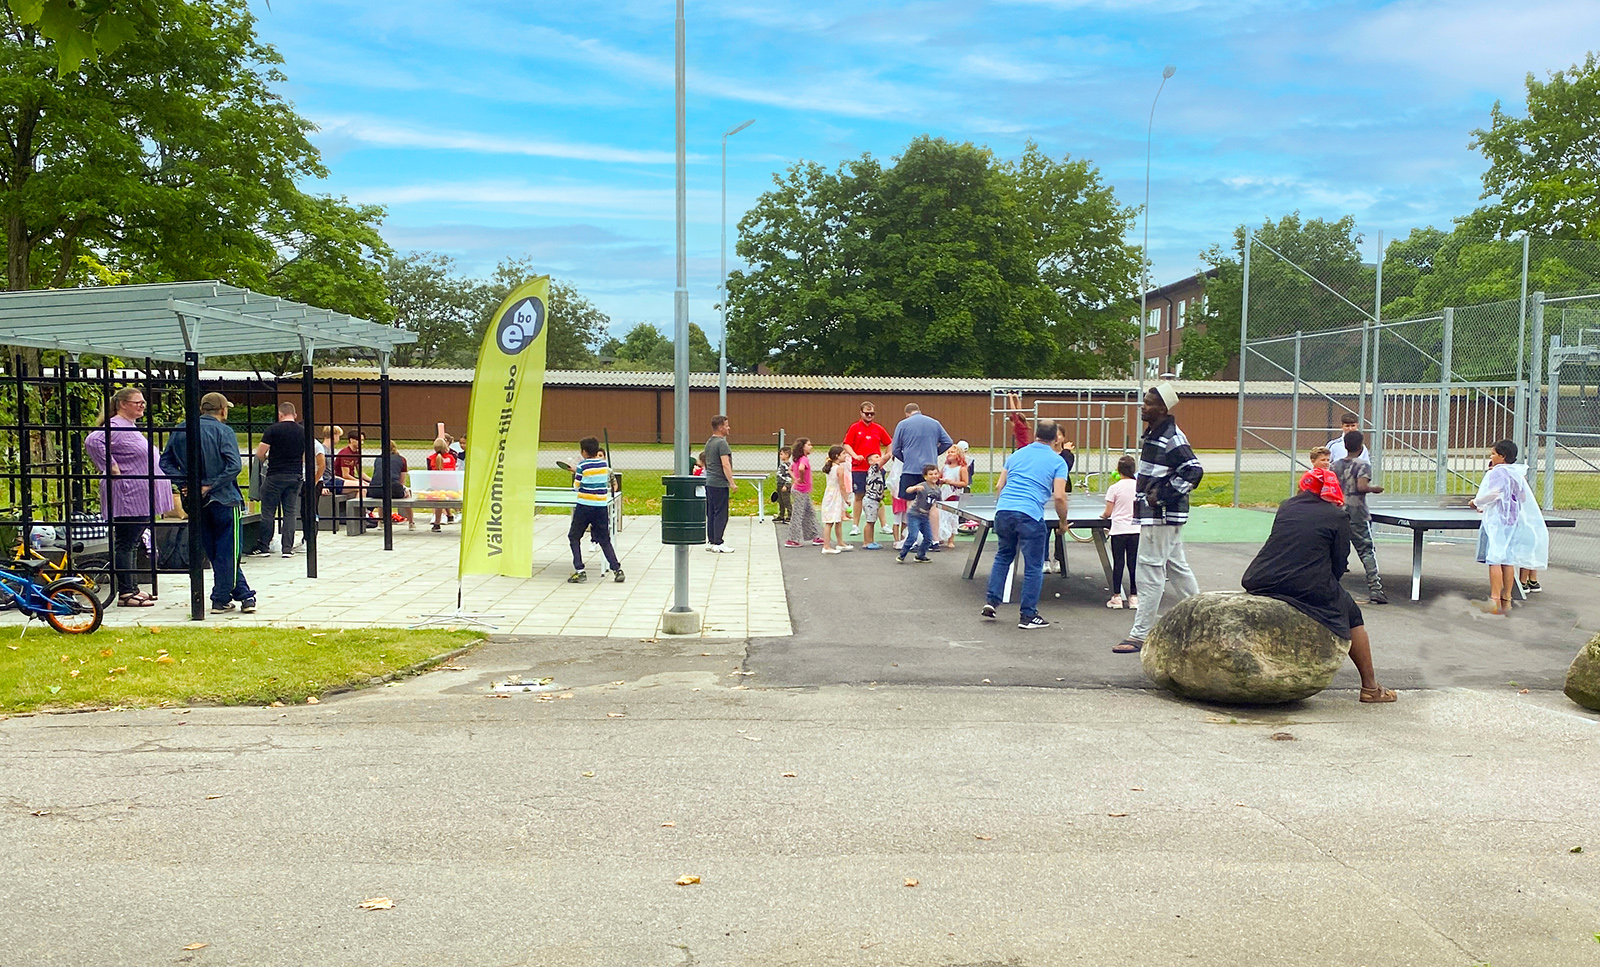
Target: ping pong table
[
  {"x": 980, "y": 510},
  {"x": 1421, "y": 518}
]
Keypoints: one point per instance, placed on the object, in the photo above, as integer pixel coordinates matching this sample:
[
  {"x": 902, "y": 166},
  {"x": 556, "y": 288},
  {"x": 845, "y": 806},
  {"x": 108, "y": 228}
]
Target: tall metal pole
[
  {"x": 1144, "y": 254},
  {"x": 1244, "y": 350},
  {"x": 1441, "y": 469},
  {"x": 722, "y": 366},
  {"x": 1521, "y": 434},
  {"x": 680, "y": 318},
  {"x": 1366, "y": 327}
]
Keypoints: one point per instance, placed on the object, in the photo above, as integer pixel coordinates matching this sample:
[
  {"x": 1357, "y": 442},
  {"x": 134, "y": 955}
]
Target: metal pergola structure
[{"x": 185, "y": 323}]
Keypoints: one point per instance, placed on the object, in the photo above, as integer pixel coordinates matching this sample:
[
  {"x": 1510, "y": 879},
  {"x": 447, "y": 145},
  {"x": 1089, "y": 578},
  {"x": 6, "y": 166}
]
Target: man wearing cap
[
  {"x": 1168, "y": 473},
  {"x": 215, "y": 510}
]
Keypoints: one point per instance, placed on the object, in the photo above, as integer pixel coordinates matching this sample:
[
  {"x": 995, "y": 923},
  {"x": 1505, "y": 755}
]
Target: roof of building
[
  {"x": 777, "y": 382},
  {"x": 1183, "y": 283},
  {"x": 169, "y": 319}
]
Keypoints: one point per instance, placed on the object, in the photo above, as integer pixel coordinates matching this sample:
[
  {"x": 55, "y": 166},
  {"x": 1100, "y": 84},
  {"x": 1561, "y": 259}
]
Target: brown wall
[{"x": 643, "y": 415}]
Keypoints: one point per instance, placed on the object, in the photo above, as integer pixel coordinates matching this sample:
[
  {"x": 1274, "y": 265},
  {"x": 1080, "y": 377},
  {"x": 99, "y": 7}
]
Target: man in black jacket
[
  {"x": 1168, "y": 473},
  {"x": 1301, "y": 563}
]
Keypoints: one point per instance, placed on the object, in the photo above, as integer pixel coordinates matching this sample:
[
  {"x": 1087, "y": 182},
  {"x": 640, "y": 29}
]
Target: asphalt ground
[
  {"x": 855, "y": 795},
  {"x": 860, "y": 617}
]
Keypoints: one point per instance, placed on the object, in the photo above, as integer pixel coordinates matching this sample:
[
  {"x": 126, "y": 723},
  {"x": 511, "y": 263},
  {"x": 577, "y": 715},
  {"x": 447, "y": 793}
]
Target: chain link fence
[{"x": 1475, "y": 340}]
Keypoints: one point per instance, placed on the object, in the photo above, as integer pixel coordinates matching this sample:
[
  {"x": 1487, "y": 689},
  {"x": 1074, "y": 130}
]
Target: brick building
[{"x": 1168, "y": 314}]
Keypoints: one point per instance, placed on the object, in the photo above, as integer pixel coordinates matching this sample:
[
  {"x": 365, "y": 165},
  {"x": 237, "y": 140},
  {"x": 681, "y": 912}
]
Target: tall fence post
[
  {"x": 1552, "y": 414},
  {"x": 1519, "y": 419},
  {"x": 1294, "y": 418},
  {"x": 1366, "y": 327},
  {"x": 1375, "y": 447},
  {"x": 1441, "y": 469},
  {"x": 1244, "y": 350},
  {"x": 1535, "y": 385}
]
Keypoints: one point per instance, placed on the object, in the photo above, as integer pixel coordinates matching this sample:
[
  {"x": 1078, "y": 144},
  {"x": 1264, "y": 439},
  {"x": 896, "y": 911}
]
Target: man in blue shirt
[
  {"x": 216, "y": 508},
  {"x": 1032, "y": 475},
  {"x": 918, "y": 441}
]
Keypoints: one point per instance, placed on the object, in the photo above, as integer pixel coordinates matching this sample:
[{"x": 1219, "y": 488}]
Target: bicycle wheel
[
  {"x": 73, "y": 610},
  {"x": 100, "y": 581}
]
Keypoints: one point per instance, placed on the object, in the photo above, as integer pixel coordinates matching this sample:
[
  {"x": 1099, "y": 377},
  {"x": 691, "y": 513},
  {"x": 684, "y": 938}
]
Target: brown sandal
[
  {"x": 1128, "y": 646},
  {"x": 135, "y": 599},
  {"x": 1377, "y": 695}
]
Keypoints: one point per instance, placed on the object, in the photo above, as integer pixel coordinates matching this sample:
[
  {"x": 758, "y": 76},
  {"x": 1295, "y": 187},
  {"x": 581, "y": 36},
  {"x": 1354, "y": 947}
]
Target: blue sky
[{"x": 492, "y": 128}]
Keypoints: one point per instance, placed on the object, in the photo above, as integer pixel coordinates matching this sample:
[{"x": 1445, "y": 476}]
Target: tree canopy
[
  {"x": 646, "y": 349},
  {"x": 174, "y": 158},
  {"x": 948, "y": 262}
]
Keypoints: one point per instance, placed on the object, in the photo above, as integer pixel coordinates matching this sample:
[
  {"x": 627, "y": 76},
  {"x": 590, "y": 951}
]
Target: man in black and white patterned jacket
[{"x": 1168, "y": 473}]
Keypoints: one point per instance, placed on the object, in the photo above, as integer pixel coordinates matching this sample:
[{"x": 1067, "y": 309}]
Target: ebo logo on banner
[{"x": 519, "y": 326}]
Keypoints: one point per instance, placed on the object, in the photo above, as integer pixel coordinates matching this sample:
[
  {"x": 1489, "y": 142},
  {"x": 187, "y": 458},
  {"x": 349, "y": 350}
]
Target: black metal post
[
  {"x": 24, "y": 452},
  {"x": 156, "y": 479},
  {"x": 195, "y": 502},
  {"x": 388, "y": 457},
  {"x": 313, "y": 489}
]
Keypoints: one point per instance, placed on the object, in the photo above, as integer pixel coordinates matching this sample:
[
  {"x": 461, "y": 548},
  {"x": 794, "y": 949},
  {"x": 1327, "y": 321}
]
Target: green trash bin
[{"x": 683, "y": 510}]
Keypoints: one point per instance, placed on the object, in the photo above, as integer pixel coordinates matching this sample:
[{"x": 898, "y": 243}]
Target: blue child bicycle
[{"x": 65, "y": 603}]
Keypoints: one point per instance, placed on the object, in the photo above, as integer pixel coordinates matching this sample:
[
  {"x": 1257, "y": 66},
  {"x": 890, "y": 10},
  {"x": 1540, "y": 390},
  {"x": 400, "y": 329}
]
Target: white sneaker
[
  {"x": 855, "y": 530},
  {"x": 724, "y": 549},
  {"x": 831, "y": 550},
  {"x": 1133, "y": 601},
  {"x": 899, "y": 545},
  {"x": 1115, "y": 602},
  {"x": 847, "y": 547}
]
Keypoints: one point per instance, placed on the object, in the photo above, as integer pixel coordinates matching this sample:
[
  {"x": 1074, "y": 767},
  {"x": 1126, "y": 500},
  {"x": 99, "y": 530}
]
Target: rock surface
[
  {"x": 1241, "y": 649},
  {"x": 1583, "y": 678}
]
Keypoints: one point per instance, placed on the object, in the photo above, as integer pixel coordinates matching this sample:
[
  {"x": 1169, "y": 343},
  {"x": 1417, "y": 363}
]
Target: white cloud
[{"x": 378, "y": 131}]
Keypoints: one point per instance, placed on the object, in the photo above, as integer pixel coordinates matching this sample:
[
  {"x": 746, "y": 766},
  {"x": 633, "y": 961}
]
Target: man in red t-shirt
[{"x": 865, "y": 437}]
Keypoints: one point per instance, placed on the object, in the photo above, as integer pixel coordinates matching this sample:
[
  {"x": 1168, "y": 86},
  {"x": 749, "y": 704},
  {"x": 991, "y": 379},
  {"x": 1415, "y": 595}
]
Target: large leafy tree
[
  {"x": 173, "y": 158},
  {"x": 576, "y": 326},
  {"x": 1289, "y": 290},
  {"x": 644, "y": 348},
  {"x": 444, "y": 308},
  {"x": 945, "y": 263},
  {"x": 1544, "y": 168}
]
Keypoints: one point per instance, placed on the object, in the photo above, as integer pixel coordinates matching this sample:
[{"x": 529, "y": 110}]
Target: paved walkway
[{"x": 739, "y": 595}]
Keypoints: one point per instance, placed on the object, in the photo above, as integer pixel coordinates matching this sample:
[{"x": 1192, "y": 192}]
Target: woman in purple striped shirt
[{"x": 129, "y": 498}]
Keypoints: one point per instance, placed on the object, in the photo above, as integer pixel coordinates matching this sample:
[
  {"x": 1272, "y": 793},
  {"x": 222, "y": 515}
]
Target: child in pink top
[
  {"x": 803, "y": 527},
  {"x": 1124, "y": 533}
]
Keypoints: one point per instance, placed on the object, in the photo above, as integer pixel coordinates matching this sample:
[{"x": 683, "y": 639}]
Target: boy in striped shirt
[{"x": 591, "y": 478}]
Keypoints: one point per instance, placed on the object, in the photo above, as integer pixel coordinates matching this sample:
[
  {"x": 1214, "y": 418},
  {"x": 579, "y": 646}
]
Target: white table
[{"x": 760, "y": 480}]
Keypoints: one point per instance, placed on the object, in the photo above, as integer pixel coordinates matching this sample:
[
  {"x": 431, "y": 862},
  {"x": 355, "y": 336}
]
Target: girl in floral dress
[{"x": 834, "y": 505}]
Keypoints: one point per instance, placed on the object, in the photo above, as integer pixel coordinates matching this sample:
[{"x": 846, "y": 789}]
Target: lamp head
[
  {"x": 734, "y": 131},
  {"x": 1167, "y": 73}
]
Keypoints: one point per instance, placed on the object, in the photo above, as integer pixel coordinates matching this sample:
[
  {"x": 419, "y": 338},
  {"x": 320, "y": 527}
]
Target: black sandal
[
  {"x": 135, "y": 599},
  {"x": 1128, "y": 646}
]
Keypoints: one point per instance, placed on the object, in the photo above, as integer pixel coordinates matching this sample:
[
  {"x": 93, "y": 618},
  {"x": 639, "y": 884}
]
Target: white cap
[
  {"x": 1169, "y": 396},
  {"x": 961, "y": 445}
]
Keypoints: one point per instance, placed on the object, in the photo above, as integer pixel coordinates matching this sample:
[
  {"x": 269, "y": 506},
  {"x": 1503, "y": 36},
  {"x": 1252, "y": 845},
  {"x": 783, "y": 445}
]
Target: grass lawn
[{"x": 135, "y": 667}]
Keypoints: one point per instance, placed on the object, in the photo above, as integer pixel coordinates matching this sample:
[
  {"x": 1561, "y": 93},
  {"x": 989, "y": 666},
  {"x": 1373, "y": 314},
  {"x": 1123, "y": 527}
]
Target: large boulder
[
  {"x": 1583, "y": 678},
  {"x": 1241, "y": 649}
]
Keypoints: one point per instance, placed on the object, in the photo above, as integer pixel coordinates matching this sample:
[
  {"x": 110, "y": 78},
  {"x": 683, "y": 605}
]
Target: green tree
[
  {"x": 1282, "y": 298},
  {"x": 174, "y": 159},
  {"x": 83, "y": 29},
  {"x": 576, "y": 326},
  {"x": 441, "y": 306},
  {"x": 1544, "y": 168},
  {"x": 946, "y": 263},
  {"x": 644, "y": 349}
]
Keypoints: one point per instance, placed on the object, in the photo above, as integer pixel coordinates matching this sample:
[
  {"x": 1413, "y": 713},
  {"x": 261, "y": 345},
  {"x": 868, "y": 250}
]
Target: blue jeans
[
  {"x": 1014, "y": 529},
  {"x": 917, "y": 525},
  {"x": 219, "y": 538}
]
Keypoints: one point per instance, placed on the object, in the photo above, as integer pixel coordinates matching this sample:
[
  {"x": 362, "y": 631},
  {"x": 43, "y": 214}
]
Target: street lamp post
[
  {"x": 722, "y": 365},
  {"x": 680, "y": 618},
  {"x": 1144, "y": 255}
]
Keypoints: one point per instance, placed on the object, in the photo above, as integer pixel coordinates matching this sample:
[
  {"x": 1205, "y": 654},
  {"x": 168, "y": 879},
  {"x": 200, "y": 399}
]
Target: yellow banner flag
[{"x": 503, "y": 436}]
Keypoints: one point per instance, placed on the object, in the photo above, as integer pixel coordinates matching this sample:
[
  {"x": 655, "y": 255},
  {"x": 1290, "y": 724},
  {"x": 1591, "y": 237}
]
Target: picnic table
[
  {"x": 760, "y": 480},
  {"x": 1447, "y": 514},
  {"x": 1083, "y": 513}
]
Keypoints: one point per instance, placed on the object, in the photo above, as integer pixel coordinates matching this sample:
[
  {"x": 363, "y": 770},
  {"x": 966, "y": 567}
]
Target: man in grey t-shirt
[{"x": 718, "y": 460}]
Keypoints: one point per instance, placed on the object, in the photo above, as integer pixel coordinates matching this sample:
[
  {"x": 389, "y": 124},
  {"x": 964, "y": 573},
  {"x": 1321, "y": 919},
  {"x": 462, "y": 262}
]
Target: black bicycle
[{"x": 65, "y": 604}]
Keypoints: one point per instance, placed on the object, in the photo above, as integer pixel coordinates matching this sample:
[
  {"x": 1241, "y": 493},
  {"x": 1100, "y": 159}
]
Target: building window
[
  {"x": 1183, "y": 306},
  {"x": 1152, "y": 368},
  {"x": 1205, "y": 303},
  {"x": 1153, "y": 321}
]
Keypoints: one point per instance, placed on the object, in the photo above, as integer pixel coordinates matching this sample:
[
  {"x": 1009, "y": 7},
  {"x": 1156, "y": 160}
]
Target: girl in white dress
[
  {"x": 834, "y": 504},
  {"x": 954, "y": 479}
]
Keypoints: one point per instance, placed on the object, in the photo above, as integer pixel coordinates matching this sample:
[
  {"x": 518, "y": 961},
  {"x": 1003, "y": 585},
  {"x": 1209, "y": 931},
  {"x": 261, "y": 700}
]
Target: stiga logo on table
[
  {"x": 503, "y": 435},
  {"x": 520, "y": 326}
]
